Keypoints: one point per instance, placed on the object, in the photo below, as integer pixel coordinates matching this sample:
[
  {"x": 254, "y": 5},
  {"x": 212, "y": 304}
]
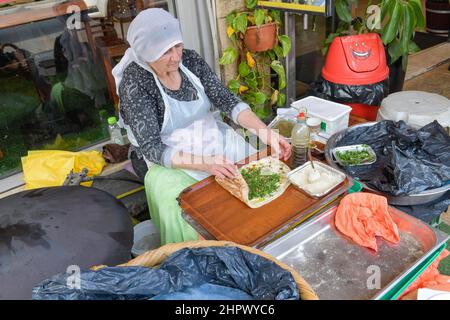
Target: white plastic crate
[{"x": 334, "y": 116}]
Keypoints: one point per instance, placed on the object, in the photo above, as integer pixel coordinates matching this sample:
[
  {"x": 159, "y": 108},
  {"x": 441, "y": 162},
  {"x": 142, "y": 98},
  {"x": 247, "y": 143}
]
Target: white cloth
[
  {"x": 150, "y": 35},
  {"x": 191, "y": 127}
]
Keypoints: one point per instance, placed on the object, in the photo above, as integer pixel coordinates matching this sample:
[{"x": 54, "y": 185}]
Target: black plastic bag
[
  {"x": 229, "y": 267},
  {"x": 371, "y": 94},
  {"x": 409, "y": 161}
]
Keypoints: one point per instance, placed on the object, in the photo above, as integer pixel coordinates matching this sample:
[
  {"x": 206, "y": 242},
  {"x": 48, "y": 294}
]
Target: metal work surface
[{"x": 338, "y": 268}]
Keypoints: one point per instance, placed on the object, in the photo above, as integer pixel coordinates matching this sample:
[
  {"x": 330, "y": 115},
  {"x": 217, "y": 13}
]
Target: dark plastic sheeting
[
  {"x": 186, "y": 274},
  {"x": 371, "y": 94},
  {"x": 409, "y": 161}
]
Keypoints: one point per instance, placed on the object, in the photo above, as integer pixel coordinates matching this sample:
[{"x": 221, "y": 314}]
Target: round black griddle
[{"x": 44, "y": 231}]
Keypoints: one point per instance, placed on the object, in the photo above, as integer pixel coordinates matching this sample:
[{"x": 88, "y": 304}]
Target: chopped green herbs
[
  {"x": 351, "y": 157},
  {"x": 260, "y": 185}
]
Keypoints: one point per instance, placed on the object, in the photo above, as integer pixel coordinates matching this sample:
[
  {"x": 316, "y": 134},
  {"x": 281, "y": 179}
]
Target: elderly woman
[{"x": 167, "y": 94}]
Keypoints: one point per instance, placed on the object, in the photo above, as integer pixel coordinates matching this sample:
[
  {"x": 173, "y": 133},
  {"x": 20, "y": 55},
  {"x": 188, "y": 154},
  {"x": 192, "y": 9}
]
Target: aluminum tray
[
  {"x": 324, "y": 166},
  {"x": 409, "y": 200},
  {"x": 337, "y": 268},
  {"x": 356, "y": 147}
]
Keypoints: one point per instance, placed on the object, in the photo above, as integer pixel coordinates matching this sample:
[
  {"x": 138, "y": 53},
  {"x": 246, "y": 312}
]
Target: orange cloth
[
  {"x": 431, "y": 278},
  {"x": 363, "y": 216}
]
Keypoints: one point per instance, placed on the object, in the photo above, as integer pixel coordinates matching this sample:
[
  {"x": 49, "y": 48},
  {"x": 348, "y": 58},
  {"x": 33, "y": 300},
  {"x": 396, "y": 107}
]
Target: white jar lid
[{"x": 313, "y": 122}]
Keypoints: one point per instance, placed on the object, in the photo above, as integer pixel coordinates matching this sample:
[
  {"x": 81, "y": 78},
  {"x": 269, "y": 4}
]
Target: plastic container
[
  {"x": 356, "y": 68},
  {"x": 416, "y": 108},
  {"x": 356, "y": 60},
  {"x": 357, "y": 147},
  {"x": 114, "y": 131},
  {"x": 334, "y": 116},
  {"x": 146, "y": 237}
]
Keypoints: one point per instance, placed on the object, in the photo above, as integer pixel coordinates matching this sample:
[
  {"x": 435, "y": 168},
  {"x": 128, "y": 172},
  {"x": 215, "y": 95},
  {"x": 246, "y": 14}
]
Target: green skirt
[{"x": 162, "y": 187}]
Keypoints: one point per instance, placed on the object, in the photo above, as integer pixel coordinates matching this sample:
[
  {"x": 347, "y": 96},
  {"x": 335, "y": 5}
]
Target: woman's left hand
[{"x": 281, "y": 149}]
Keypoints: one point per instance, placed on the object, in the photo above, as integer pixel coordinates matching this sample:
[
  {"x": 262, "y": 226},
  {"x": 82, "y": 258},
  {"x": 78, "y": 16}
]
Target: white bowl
[{"x": 146, "y": 237}]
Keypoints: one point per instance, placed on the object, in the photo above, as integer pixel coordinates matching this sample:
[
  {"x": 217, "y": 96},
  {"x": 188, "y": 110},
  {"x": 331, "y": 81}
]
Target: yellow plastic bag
[{"x": 49, "y": 168}]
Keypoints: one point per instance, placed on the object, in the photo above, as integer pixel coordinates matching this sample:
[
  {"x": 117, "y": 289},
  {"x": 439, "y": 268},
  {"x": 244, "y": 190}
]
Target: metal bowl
[{"x": 409, "y": 200}]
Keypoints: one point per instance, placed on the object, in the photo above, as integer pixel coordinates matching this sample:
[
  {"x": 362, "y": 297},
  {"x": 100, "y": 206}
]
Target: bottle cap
[
  {"x": 112, "y": 120},
  {"x": 301, "y": 115}
]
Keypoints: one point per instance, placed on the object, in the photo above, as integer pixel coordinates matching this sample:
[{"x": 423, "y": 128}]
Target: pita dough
[{"x": 238, "y": 186}]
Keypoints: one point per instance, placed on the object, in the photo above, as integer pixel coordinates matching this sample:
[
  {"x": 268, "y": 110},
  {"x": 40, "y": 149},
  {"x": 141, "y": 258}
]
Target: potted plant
[
  {"x": 258, "y": 48},
  {"x": 398, "y": 21}
]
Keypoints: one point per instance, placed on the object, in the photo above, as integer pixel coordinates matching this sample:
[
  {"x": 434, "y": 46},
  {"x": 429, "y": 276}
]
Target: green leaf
[
  {"x": 281, "y": 101},
  {"x": 409, "y": 22},
  {"x": 260, "y": 98},
  {"x": 234, "y": 85},
  {"x": 271, "y": 54},
  {"x": 275, "y": 14},
  {"x": 279, "y": 52},
  {"x": 279, "y": 69},
  {"x": 240, "y": 22},
  {"x": 343, "y": 10},
  {"x": 404, "y": 61},
  {"x": 418, "y": 12},
  {"x": 229, "y": 56},
  {"x": 244, "y": 69},
  {"x": 395, "y": 51},
  {"x": 387, "y": 7},
  {"x": 390, "y": 30},
  {"x": 260, "y": 16},
  {"x": 413, "y": 47},
  {"x": 285, "y": 44},
  {"x": 251, "y": 81},
  {"x": 230, "y": 18},
  {"x": 250, "y": 4}
]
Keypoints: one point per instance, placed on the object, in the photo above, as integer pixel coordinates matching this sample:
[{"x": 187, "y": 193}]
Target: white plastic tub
[
  {"x": 146, "y": 237},
  {"x": 334, "y": 116}
]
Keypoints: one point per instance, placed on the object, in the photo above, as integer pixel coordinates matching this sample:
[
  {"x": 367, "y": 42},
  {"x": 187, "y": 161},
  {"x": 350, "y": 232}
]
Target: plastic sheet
[
  {"x": 186, "y": 272},
  {"x": 371, "y": 94},
  {"x": 409, "y": 161},
  {"x": 49, "y": 168}
]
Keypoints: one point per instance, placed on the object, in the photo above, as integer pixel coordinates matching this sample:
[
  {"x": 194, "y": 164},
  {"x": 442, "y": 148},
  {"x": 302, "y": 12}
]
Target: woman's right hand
[{"x": 219, "y": 166}]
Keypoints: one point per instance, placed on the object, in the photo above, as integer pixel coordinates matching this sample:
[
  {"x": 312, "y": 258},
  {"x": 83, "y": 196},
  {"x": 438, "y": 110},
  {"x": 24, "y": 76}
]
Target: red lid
[
  {"x": 356, "y": 60},
  {"x": 301, "y": 115}
]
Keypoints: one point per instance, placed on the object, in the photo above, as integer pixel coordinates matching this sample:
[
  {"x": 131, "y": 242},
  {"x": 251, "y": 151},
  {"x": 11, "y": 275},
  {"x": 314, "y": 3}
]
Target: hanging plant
[{"x": 258, "y": 48}]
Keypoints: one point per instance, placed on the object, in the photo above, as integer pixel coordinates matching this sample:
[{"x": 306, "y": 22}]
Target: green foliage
[
  {"x": 400, "y": 18},
  {"x": 254, "y": 69}
]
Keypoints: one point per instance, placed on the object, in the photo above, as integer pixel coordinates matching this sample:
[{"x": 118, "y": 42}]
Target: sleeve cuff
[
  {"x": 166, "y": 159},
  {"x": 241, "y": 106}
]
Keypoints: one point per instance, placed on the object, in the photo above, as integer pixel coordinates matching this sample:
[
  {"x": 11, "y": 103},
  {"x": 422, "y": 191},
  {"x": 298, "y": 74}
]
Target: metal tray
[
  {"x": 409, "y": 200},
  {"x": 356, "y": 147},
  {"x": 318, "y": 164},
  {"x": 338, "y": 268}
]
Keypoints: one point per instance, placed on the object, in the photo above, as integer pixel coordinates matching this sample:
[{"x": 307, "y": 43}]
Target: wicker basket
[{"x": 155, "y": 257}]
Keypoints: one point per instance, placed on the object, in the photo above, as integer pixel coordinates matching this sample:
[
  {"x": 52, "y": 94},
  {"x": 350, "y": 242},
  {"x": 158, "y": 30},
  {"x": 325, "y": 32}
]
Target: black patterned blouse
[{"x": 142, "y": 106}]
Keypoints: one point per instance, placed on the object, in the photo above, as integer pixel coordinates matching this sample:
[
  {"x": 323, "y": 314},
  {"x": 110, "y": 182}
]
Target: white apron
[{"x": 191, "y": 127}]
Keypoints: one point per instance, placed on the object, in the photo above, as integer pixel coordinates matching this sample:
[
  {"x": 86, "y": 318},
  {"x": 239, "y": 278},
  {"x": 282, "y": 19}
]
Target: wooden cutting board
[{"x": 217, "y": 214}]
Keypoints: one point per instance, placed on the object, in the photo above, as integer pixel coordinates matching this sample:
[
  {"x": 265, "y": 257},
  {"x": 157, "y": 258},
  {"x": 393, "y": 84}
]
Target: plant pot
[
  {"x": 438, "y": 17},
  {"x": 396, "y": 74},
  {"x": 263, "y": 38}
]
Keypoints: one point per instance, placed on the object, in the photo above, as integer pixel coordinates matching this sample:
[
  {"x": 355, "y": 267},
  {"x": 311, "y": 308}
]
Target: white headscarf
[{"x": 150, "y": 35}]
